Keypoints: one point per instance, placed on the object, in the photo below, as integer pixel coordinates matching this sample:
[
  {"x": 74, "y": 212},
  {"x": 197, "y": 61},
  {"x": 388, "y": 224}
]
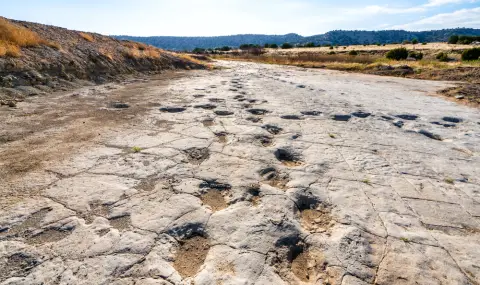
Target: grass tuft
[
  {"x": 136, "y": 149},
  {"x": 87, "y": 37},
  {"x": 449, "y": 180}
]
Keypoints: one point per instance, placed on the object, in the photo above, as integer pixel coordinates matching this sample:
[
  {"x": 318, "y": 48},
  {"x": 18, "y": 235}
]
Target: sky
[{"x": 228, "y": 17}]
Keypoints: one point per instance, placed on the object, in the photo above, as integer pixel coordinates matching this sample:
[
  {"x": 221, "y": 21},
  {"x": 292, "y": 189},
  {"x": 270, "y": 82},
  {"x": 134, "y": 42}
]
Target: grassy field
[{"x": 371, "y": 60}]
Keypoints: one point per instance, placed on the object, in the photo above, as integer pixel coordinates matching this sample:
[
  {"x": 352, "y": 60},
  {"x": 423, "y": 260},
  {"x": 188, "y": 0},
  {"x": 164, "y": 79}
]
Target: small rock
[
  {"x": 223, "y": 113},
  {"x": 12, "y": 104},
  {"x": 172, "y": 109}
]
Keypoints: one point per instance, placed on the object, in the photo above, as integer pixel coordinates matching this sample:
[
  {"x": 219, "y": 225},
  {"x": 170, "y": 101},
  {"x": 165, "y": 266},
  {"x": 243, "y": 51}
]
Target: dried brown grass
[
  {"x": 136, "y": 50},
  {"x": 87, "y": 37},
  {"x": 13, "y": 37}
]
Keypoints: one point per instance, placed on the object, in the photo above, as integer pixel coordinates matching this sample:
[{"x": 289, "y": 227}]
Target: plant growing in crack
[
  {"x": 449, "y": 180},
  {"x": 367, "y": 181},
  {"x": 136, "y": 149},
  {"x": 404, "y": 239}
]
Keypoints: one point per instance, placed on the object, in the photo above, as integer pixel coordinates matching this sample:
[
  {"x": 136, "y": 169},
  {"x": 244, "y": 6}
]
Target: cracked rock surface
[{"x": 291, "y": 190}]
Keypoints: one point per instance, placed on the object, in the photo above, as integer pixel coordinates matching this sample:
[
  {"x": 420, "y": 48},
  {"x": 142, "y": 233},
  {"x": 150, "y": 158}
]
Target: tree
[
  {"x": 414, "y": 41},
  {"x": 287, "y": 46},
  {"x": 453, "y": 39},
  {"x": 308, "y": 45},
  {"x": 273, "y": 46}
]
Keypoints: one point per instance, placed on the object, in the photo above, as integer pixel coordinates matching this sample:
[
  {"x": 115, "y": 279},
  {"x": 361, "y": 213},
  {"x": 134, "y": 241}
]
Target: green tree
[
  {"x": 453, "y": 39},
  {"x": 287, "y": 46}
]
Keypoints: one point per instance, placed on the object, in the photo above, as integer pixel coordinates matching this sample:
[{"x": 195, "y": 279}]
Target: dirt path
[{"x": 251, "y": 174}]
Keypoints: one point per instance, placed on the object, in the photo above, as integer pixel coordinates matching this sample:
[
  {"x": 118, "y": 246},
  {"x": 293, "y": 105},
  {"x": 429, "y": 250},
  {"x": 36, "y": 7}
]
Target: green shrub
[
  {"x": 471, "y": 54},
  {"x": 443, "y": 56},
  {"x": 424, "y": 44},
  {"x": 353, "y": 52},
  {"x": 332, "y": 52},
  {"x": 397, "y": 54},
  {"x": 287, "y": 46},
  {"x": 308, "y": 45},
  {"x": 414, "y": 41},
  {"x": 331, "y": 47},
  {"x": 273, "y": 46},
  {"x": 415, "y": 55}
]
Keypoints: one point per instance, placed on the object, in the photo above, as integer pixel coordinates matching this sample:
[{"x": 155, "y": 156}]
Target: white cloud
[
  {"x": 376, "y": 9},
  {"x": 461, "y": 18},
  {"x": 434, "y": 3}
]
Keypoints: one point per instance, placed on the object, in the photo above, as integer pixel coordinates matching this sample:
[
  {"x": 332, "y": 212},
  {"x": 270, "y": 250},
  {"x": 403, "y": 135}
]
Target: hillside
[
  {"x": 333, "y": 37},
  {"x": 51, "y": 58}
]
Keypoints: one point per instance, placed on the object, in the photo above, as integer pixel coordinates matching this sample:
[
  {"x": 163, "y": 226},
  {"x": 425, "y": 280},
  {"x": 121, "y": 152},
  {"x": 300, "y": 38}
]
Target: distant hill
[{"x": 334, "y": 37}]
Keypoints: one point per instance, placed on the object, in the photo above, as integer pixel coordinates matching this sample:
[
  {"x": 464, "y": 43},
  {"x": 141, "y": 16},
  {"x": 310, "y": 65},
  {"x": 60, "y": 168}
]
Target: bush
[
  {"x": 308, "y": 45},
  {"x": 331, "y": 52},
  {"x": 414, "y": 41},
  {"x": 287, "y": 46},
  {"x": 471, "y": 54},
  {"x": 443, "y": 56},
  {"x": 406, "y": 42},
  {"x": 415, "y": 55},
  {"x": 273, "y": 46},
  {"x": 397, "y": 54},
  {"x": 424, "y": 44},
  {"x": 353, "y": 52},
  {"x": 331, "y": 47}
]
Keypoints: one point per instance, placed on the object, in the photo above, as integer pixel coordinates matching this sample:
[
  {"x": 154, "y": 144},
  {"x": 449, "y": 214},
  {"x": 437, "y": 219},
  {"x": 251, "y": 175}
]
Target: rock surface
[{"x": 215, "y": 197}]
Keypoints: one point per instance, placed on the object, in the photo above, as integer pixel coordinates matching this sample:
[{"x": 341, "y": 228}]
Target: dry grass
[
  {"x": 13, "y": 37},
  {"x": 87, "y": 37},
  {"x": 136, "y": 50}
]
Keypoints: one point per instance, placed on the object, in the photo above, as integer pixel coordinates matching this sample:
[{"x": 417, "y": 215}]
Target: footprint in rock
[
  {"x": 387, "y": 118},
  {"x": 222, "y": 136},
  {"x": 361, "y": 114},
  {"x": 430, "y": 135},
  {"x": 172, "y": 109},
  {"x": 258, "y": 111},
  {"x": 198, "y": 95},
  {"x": 264, "y": 140},
  {"x": 288, "y": 156},
  {"x": 274, "y": 178},
  {"x": 452, "y": 119},
  {"x": 223, "y": 113},
  {"x": 233, "y": 89},
  {"x": 208, "y": 122},
  {"x": 120, "y": 222},
  {"x": 408, "y": 117},
  {"x": 119, "y": 105},
  {"x": 310, "y": 113},
  {"x": 398, "y": 124},
  {"x": 291, "y": 117},
  {"x": 444, "y": 125},
  {"x": 205, "y": 106},
  {"x": 301, "y": 86},
  {"x": 197, "y": 155},
  {"x": 216, "y": 100},
  {"x": 252, "y": 101},
  {"x": 190, "y": 255},
  {"x": 272, "y": 129},
  {"x": 254, "y": 119},
  {"x": 238, "y": 97},
  {"x": 341, "y": 118}
]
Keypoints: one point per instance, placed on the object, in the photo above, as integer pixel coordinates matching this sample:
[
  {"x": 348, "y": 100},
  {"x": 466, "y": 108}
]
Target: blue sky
[{"x": 225, "y": 17}]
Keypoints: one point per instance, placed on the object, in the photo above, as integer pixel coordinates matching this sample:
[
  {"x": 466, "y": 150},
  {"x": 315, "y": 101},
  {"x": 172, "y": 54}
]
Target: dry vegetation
[
  {"x": 87, "y": 37},
  {"x": 13, "y": 37},
  {"x": 370, "y": 59},
  {"x": 136, "y": 50}
]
